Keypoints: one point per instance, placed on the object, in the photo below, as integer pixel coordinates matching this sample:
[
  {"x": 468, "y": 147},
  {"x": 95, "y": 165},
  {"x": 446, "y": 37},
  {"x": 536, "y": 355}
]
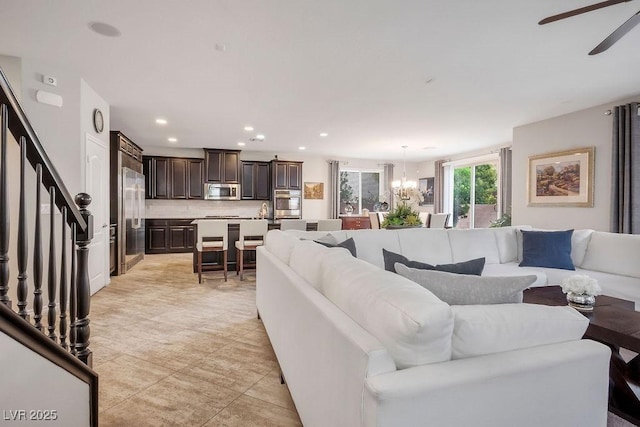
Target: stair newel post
[
  {"x": 73, "y": 293},
  {"x": 22, "y": 235},
  {"x": 37, "y": 256},
  {"x": 63, "y": 281},
  {"x": 4, "y": 211},
  {"x": 52, "y": 265},
  {"x": 83, "y": 301}
]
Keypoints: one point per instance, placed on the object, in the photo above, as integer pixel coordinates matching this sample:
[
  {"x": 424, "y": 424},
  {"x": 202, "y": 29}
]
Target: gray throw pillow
[{"x": 458, "y": 289}]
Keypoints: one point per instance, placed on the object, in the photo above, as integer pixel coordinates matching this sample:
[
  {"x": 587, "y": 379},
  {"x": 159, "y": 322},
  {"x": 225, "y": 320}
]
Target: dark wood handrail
[
  {"x": 15, "y": 327},
  {"x": 20, "y": 126}
]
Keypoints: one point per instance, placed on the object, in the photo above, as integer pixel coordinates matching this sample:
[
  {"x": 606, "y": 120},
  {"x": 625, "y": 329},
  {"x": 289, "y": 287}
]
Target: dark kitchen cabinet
[
  {"x": 173, "y": 178},
  {"x": 178, "y": 173},
  {"x": 195, "y": 184},
  {"x": 169, "y": 236},
  {"x": 255, "y": 181},
  {"x": 222, "y": 166},
  {"x": 286, "y": 175}
]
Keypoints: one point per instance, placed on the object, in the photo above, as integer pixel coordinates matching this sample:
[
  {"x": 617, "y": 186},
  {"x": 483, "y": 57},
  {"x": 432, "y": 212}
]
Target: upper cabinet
[
  {"x": 255, "y": 181},
  {"x": 222, "y": 166},
  {"x": 173, "y": 178},
  {"x": 286, "y": 175}
]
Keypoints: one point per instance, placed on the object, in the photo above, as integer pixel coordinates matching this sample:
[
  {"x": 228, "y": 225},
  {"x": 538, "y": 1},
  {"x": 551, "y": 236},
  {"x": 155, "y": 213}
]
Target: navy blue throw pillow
[
  {"x": 473, "y": 267},
  {"x": 550, "y": 249},
  {"x": 348, "y": 244}
]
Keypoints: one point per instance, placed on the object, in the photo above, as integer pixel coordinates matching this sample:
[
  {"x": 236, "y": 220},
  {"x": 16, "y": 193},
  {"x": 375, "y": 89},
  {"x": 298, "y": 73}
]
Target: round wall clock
[{"x": 98, "y": 120}]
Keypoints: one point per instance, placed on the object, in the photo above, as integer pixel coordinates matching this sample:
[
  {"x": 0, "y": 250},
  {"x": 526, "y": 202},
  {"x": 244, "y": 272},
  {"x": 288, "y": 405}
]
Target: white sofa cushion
[
  {"x": 280, "y": 244},
  {"x": 613, "y": 253},
  {"x": 482, "y": 329},
  {"x": 474, "y": 243},
  {"x": 579, "y": 243},
  {"x": 507, "y": 243},
  {"x": 411, "y": 322},
  {"x": 369, "y": 244},
  {"x": 461, "y": 289},
  {"x": 306, "y": 260},
  {"x": 430, "y": 245},
  {"x": 513, "y": 269}
]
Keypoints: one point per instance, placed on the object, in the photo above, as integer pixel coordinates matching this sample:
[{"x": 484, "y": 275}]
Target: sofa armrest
[
  {"x": 559, "y": 384},
  {"x": 324, "y": 355}
]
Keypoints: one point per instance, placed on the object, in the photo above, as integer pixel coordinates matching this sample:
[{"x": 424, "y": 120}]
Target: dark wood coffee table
[{"x": 615, "y": 323}]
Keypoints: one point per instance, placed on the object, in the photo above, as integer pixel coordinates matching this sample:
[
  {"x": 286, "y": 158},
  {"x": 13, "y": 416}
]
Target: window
[
  {"x": 359, "y": 189},
  {"x": 472, "y": 194}
]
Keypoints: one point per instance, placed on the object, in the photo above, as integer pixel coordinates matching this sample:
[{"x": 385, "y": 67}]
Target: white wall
[
  {"x": 39, "y": 384},
  {"x": 585, "y": 128}
]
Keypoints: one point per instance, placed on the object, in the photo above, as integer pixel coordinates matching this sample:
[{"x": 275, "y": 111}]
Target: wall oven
[
  {"x": 287, "y": 204},
  {"x": 222, "y": 191}
]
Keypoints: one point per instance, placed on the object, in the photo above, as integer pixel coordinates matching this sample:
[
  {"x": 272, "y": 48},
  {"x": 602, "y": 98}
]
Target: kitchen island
[{"x": 178, "y": 235}]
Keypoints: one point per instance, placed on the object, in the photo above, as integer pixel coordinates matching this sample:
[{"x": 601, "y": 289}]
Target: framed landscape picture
[
  {"x": 562, "y": 179},
  {"x": 425, "y": 185},
  {"x": 314, "y": 190}
]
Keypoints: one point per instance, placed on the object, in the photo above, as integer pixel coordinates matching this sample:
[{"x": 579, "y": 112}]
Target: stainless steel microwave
[{"x": 222, "y": 191}]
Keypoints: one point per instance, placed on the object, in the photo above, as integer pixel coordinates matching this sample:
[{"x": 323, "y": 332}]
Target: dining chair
[
  {"x": 252, "y": 234},
  {"x": 439, "y": 220},
  {"x": 293, "y": 224},
  {"x": 329, "y": 224},
  {"x": 424, "y": 218},
  {"x": 375, "y": 221},
  {"x": 213, "y": 236}
]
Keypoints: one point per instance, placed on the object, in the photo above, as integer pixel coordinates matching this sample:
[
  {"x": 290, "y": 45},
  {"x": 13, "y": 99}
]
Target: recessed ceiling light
[
  {"x": 324, "y": 134},
  {"x": 248, "y": 128},
  {"x": 161, "y": 121},
  {"x": 172, "y": 139},
  {"x": 428, "y": 148},
  {"x": 104, "y": 29},
  {"x": 260, "y": 137},
  {"x": 302, "y": 148},
  {"x": 241, "y": 144}
]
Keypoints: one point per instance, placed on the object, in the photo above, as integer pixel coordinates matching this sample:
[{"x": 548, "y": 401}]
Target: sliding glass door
[{"x": 474, "y": 194}]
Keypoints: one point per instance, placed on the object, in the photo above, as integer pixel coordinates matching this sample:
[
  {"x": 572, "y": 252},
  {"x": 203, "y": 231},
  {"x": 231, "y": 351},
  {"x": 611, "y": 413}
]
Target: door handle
[{"x": 104, "y": 225}]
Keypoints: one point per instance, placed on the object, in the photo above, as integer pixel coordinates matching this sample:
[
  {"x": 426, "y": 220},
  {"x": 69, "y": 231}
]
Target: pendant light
[{"x": 403, "y": 186}]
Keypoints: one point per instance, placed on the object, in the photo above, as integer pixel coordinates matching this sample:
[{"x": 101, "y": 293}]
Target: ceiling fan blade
[
  {"x": 581, "y": 11},
  {"x": 617, "y": 34}
]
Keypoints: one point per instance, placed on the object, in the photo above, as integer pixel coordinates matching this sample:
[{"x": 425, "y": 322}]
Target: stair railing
[{"x": 69, "y": 291}]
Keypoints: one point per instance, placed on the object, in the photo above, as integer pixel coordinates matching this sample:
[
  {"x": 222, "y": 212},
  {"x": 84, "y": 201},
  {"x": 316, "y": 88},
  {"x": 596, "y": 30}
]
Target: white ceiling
[{"x": 356, "y": 69}]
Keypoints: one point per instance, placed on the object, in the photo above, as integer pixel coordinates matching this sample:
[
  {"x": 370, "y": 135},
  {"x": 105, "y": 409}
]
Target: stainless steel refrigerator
[{"x": 133, "y": 207}]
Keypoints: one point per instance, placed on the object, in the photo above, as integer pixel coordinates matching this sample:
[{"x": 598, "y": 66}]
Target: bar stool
[
  {"x": 252, "y": 234},
  {"x": 213, "y": 236}
]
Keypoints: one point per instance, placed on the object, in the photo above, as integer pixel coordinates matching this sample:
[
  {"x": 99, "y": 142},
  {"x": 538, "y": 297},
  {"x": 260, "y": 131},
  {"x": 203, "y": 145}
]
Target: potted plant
[{"x": 404, "y": 215}]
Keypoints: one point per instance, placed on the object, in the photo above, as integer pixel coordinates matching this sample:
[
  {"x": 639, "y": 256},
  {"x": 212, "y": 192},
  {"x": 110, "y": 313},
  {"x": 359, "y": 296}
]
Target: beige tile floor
[{"x": 170, "y": 351}]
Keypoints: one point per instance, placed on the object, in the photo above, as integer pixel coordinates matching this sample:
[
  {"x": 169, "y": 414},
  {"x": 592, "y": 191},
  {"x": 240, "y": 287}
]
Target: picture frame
[
  {"x": 564, "y": 178},
  {"x": 425, "y": 186},
  {"x": 314, "y": 190}
]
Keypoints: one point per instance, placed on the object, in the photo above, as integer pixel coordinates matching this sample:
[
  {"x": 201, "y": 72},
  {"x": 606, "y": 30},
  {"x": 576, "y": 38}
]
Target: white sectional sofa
[{"x": 360, "y": 346}]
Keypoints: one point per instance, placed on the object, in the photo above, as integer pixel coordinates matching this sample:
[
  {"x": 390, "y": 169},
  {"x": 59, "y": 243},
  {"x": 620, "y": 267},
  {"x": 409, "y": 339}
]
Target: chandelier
[{"x": 402, "y": 188}]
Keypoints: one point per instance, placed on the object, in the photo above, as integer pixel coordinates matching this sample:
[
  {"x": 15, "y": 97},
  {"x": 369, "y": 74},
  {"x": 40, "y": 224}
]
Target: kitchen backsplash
[{"x": 200, "y": 208}]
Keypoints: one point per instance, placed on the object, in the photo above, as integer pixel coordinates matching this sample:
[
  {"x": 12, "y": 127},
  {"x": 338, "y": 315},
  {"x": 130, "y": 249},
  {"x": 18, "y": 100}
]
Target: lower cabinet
[{"x": 169, "y": 236}]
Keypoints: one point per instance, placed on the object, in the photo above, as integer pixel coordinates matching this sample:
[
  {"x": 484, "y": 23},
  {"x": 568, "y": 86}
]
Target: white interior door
[{"x": 97, "y": 185}]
